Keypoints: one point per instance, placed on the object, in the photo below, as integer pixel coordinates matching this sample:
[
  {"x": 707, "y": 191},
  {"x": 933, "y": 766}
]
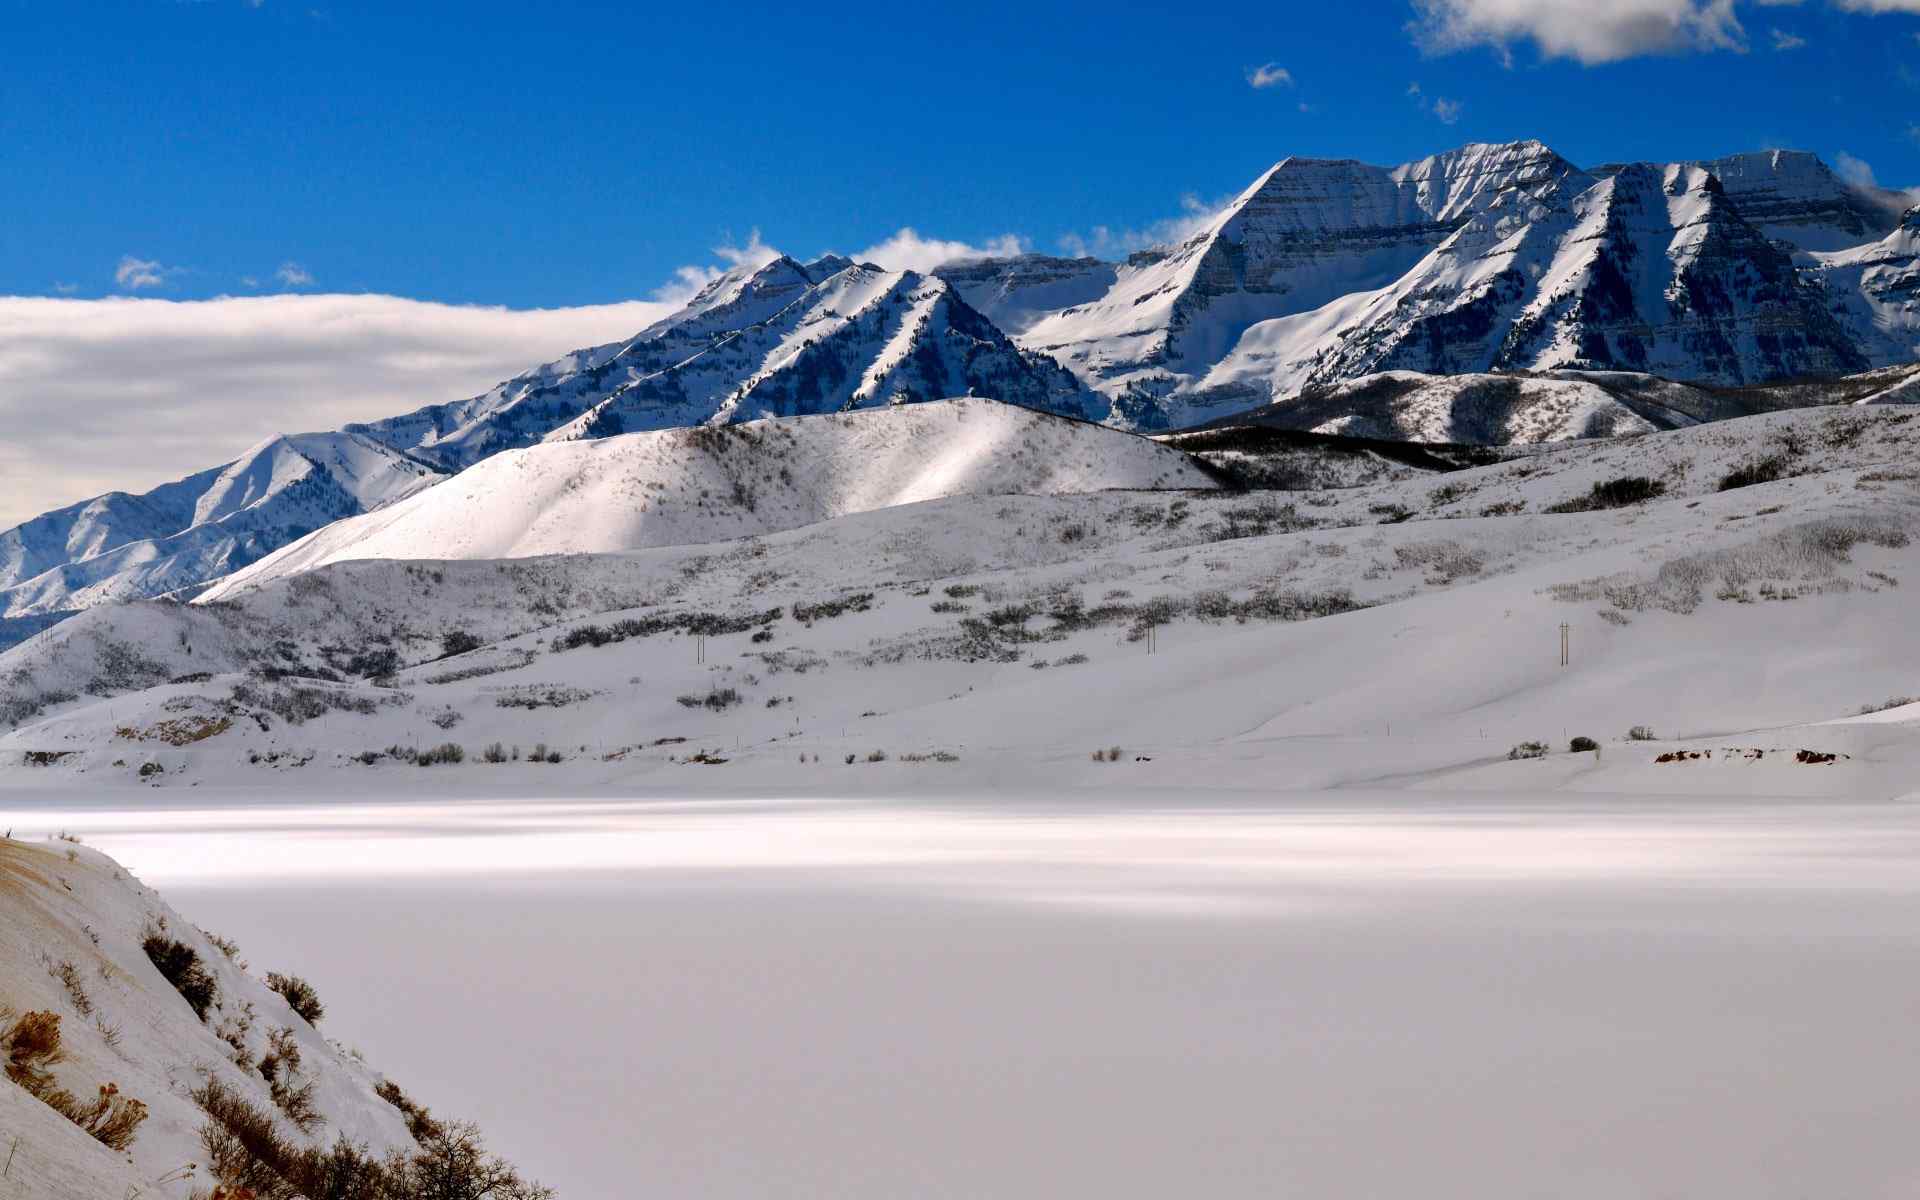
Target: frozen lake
[{"x": 1341, "y": 995}]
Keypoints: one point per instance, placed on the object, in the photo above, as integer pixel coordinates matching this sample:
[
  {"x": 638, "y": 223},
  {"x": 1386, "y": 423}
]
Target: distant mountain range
[{"x": 1728, "y": 273}]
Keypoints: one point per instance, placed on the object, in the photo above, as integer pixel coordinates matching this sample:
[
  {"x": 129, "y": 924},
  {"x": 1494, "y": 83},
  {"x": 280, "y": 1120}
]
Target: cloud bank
[
  {"x": 1582, "y": 30},
  {"x": 126, "y": 393},
  {"x": 908, "y": 251}
]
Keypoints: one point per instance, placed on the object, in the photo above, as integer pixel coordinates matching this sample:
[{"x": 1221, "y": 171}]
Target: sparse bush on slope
[
  {"x": 1614, "y": 493},
  {"x": 32, "y": 1048},
  {"x": 299, "y": 995},
  {"x": 180, "y": 965},
  {"x": 247, "y": 1154}
]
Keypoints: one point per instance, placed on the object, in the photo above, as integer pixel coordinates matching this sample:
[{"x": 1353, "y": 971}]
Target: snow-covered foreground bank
[{"x": 1317, "y": 993}]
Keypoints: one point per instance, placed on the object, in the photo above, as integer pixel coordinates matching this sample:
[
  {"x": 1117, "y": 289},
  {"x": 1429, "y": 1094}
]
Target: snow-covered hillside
[
  {"x": 74, "y": 932},
  {"x": 1011, "y": 629},
  {"x": 709, "y": 484},
  {"x": 124, "y": 547}
]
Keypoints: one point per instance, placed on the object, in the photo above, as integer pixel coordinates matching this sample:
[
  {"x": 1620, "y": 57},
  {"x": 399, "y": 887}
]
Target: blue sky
[{"x": 577, "y": 153}]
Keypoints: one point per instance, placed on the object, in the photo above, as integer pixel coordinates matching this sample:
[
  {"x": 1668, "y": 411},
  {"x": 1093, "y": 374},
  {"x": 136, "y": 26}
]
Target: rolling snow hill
[{"x": 710, "y": 484}]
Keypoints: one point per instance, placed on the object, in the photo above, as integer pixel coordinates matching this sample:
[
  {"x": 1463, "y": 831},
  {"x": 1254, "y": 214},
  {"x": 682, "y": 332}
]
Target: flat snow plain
[{"x": 1129, "y": 993}]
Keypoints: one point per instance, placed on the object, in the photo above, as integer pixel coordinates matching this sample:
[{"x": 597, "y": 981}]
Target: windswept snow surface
[{"x": 684, "y": 486}]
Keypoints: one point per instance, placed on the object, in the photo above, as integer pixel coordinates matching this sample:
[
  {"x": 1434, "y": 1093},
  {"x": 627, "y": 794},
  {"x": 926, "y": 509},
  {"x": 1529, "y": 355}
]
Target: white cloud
[
  {"x": 66, "y": 289},
  {"x": 1881, "y": 6},
  {"x": 1269, "y": 75},
  {"x": 1782, "y": 40},
  {"x": 292, "y": 274},
  {"x": 1106, "y": 242},
  {"x": 126, "y": 393},
  {"x": 135, "y": 273},
  {"x": 1448, "y": 111},
  {"x": 1853, "y": 170},
  {"x": 687, "y": 281},
  {"x": 908, "y": 251},
  {"x": 1583, "y": 30}
]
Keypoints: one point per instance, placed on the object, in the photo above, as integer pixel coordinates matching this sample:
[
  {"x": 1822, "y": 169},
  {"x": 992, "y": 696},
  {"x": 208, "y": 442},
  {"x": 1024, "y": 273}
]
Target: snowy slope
[
  {"x": 1879, "y": 286},
  {"x": 685, "y": 486},
  {"x": 67, "y": 905},
  {"x": 119, "y": 546}
]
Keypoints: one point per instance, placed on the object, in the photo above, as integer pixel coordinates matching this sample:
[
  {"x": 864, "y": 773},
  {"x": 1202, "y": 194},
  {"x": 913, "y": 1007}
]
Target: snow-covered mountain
[
  {"x": 119, "y": 546},
  {"x": 1792, "y": 196},
  {"x": 682, "y": 487},
  {"x": 1733, "y": 272},
  {"x": 1306, "y": 234},
  {"x": 1496, "y": 258},
  {"x": 779, "y": 339},
  {"x": 1876, "y": 289}
]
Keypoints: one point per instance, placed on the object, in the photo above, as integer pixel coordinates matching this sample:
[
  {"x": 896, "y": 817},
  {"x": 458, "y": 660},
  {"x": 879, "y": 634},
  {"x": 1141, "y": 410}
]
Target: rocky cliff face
[
  {"x": 1016, "y": 292},
  {"x": 1792, "y": 196}
]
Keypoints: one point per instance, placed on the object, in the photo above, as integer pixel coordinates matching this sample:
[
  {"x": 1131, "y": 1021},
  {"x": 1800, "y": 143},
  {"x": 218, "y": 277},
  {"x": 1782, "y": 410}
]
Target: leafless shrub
[
  {"x": 1528, "y": 750},
  {"x": 299, "y": 995},
  {"x": 1810, "y": 553},
  {"x": 69, "y": 977},
  {"x": 1895, "y": 702}
]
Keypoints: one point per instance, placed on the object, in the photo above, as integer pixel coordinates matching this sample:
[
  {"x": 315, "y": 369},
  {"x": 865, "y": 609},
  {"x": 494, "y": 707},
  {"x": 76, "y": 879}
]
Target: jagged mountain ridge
[
  {"x": 777, "y": 339},
  {"x": 1486, "y": 258},
  {"x": 1305, "y": 234}
]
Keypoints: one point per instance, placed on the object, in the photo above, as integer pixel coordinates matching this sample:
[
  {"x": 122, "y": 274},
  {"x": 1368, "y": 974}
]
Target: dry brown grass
[{"x": 32, "y": 1048}]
